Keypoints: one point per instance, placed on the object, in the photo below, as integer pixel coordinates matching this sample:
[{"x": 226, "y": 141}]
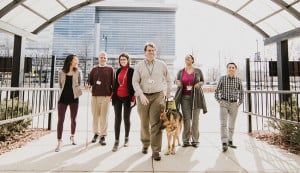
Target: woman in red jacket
[{"x": 123, "y": 97}]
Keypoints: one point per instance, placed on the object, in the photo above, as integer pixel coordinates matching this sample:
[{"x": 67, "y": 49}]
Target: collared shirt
[
  {"x": 151, "y": 77},
  {"x": 229, "y": 88}
]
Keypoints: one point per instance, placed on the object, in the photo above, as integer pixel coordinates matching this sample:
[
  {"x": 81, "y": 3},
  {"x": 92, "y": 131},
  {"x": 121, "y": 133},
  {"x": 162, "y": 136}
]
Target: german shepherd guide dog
[{"x": 171, "y": 120}]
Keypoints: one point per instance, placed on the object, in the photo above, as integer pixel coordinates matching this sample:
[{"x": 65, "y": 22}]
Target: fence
[
  {"x": 22, "y": 103},
  {"x": 273, "y": 110}
]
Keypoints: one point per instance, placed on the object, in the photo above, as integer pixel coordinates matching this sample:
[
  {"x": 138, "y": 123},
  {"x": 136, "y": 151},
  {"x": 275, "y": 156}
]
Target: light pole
[{"x": 104, "y": 37}]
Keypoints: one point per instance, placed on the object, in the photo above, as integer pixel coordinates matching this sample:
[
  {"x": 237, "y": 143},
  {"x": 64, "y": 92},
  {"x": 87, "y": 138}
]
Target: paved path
[{"x": 250, "y": 156}]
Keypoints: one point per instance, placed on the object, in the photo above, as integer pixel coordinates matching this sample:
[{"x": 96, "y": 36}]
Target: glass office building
[{"x": 114, "y": 29}]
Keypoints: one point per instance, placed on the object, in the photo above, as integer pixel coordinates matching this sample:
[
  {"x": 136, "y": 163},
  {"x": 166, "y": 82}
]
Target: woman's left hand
[{"x": 197, "y": 86}]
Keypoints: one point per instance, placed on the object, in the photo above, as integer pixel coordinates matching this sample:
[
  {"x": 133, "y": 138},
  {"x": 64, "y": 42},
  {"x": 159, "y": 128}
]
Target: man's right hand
[{"x": 144, "y": 99}]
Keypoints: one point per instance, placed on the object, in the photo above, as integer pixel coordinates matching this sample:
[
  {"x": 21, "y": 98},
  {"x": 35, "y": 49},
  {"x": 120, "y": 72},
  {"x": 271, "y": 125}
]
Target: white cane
[
  {"x": 193, "y": 107},
  {"x": 87, "y": 118}
]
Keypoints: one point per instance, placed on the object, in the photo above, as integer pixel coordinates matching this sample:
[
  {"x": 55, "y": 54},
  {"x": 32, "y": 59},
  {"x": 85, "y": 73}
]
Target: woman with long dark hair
[{"x": 69, "y": 80}]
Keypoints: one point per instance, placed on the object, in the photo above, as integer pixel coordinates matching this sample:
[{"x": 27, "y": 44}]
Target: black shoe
[
  {"x": 196, "y": 144},
  {"x": 102, "y": 141},
  {"x": 145, "y": 150},
  {"x": 186, "y": 144},
  {"x": 156, "y": 156},
  {"x": 230, "y": 144},
  {"x": 95, "y": 138},
  {"x": 72, "y": 140},
  {"x": 225, "y": 147},
  {"x": 116, "y": 145},
  {"x": 126, "y": 142}
]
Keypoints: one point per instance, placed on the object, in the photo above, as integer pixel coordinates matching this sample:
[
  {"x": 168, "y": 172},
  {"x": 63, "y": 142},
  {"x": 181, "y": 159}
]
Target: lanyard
[
  {"x": 125, "y": 76},
  {"x": 150, "y": 72}
]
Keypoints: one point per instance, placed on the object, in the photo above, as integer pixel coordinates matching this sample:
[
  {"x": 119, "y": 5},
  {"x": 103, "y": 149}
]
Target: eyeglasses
[
  {"x": 123, "y": 59},
  {"x": 102, "y": 57}
]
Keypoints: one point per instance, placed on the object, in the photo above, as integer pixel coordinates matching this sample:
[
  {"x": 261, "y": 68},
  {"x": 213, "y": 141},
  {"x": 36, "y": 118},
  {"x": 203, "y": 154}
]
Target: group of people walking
[{"x": 148, "y": 85}]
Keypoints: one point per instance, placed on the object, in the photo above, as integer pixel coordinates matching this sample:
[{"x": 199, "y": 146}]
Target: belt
[
  {"x": 231, "y": 101},
  {"x": 150, "y": 94}
]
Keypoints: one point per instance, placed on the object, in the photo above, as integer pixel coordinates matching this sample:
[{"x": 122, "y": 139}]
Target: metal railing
[
  {"x": 282, "y": 106},
  {"x": 22, "y": 103}
]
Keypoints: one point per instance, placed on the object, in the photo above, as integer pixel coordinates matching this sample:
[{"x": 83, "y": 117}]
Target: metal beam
[
  {"x": 10, "y": 7},
  {"x": 288, "y": 7},
  {"x": 16, "y": 31},
  {"x": 284, "y": 36},
  {"x": 241, "y": 18}
]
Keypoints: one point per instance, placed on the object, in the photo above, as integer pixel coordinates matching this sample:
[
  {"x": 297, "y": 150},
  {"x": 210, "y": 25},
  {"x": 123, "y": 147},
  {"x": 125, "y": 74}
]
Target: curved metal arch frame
[
  {"x": 67, "y": 11},
  {"x": 15, "y": 3},
  {"x": 284, "y": 6},
  {"x": 281, "y": 3}
]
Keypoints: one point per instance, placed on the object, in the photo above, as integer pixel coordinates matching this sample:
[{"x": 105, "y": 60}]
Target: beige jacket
[{"x": 76, "y": 83}]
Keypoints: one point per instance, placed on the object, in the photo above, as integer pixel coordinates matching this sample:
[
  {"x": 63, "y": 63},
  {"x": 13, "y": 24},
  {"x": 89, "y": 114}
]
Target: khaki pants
[
  {"x": 228, "y": 114},
  {"x": 150, "y": 121},
  {"x": 100, "y": 107}
]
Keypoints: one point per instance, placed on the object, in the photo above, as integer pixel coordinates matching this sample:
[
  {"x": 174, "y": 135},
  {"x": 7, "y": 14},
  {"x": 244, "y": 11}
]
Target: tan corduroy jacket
[{"x": 75, "y": 85}]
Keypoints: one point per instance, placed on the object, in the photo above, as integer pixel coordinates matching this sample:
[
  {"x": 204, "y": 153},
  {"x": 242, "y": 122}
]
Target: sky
[{"x": 211, "y": 34}]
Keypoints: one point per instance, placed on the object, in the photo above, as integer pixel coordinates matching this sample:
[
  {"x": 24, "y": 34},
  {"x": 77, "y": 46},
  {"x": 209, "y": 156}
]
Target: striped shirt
[{"x": 230, "y": 88}]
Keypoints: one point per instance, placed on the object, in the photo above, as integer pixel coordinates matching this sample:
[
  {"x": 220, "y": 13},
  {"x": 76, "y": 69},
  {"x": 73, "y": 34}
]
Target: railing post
[
  {"x": 51, "y": 92},
  {"x": 249, "y": 102}
]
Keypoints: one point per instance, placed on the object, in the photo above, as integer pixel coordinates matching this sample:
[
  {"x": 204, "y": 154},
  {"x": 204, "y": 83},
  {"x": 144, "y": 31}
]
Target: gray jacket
[
  {"x": 197, "y": 94},
  {"x": 75, "y": 85}
]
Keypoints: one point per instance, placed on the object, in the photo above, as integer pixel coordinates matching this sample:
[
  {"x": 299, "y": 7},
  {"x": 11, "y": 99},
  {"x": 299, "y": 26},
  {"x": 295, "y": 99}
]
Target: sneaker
[
  {"x": 225, "y": 147},
  {"x": 230, "y": 144},
  {"x": 102, "y": 141},
  {"x": 94, "y": 138}
]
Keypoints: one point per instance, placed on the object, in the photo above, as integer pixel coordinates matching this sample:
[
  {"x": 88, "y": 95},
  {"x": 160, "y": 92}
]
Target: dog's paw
[
  {"x": 173, "y": 152},
  {"x": 167, "y": 153}
]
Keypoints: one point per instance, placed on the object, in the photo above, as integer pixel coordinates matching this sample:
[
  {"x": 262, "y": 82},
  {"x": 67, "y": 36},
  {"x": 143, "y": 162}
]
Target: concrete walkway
[{"x": 250, "y": 156}]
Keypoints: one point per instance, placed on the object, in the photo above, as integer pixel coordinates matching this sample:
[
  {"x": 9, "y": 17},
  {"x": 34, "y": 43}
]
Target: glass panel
[
  {"x": 260, "y": 9},
  {"x": 3, "y": 3},
  {"x": 213, "y": 0},
  {"x": 233, "y": 4},
  {"x": 72, "y": 3},
  {"x": 289, "y": 1},
  {"x": 50, "y": 10},
  {"x": 248, "y": 15},
  {"x": 22, "y": 18},
  {"x": 267, "y": 28},
  {"x": 281, "y": 22},
  {"x": 297, "y": 6},
  {"x": 290, "y": 19}
]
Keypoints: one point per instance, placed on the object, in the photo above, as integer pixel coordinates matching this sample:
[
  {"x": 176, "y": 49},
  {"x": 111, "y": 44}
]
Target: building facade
[{"x": 115, "y": 29}]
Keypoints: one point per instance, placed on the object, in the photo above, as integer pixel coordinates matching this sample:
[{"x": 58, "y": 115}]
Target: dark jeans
[
  {"x": 122, "y": 102},
  {"x": 62, "y": 107}
]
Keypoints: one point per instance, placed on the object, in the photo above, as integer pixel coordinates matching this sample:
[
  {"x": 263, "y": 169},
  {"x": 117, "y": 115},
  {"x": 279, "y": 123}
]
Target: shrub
[
  {"x": 287, "y": 110},
  {"x": 14, "y": 107}
]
